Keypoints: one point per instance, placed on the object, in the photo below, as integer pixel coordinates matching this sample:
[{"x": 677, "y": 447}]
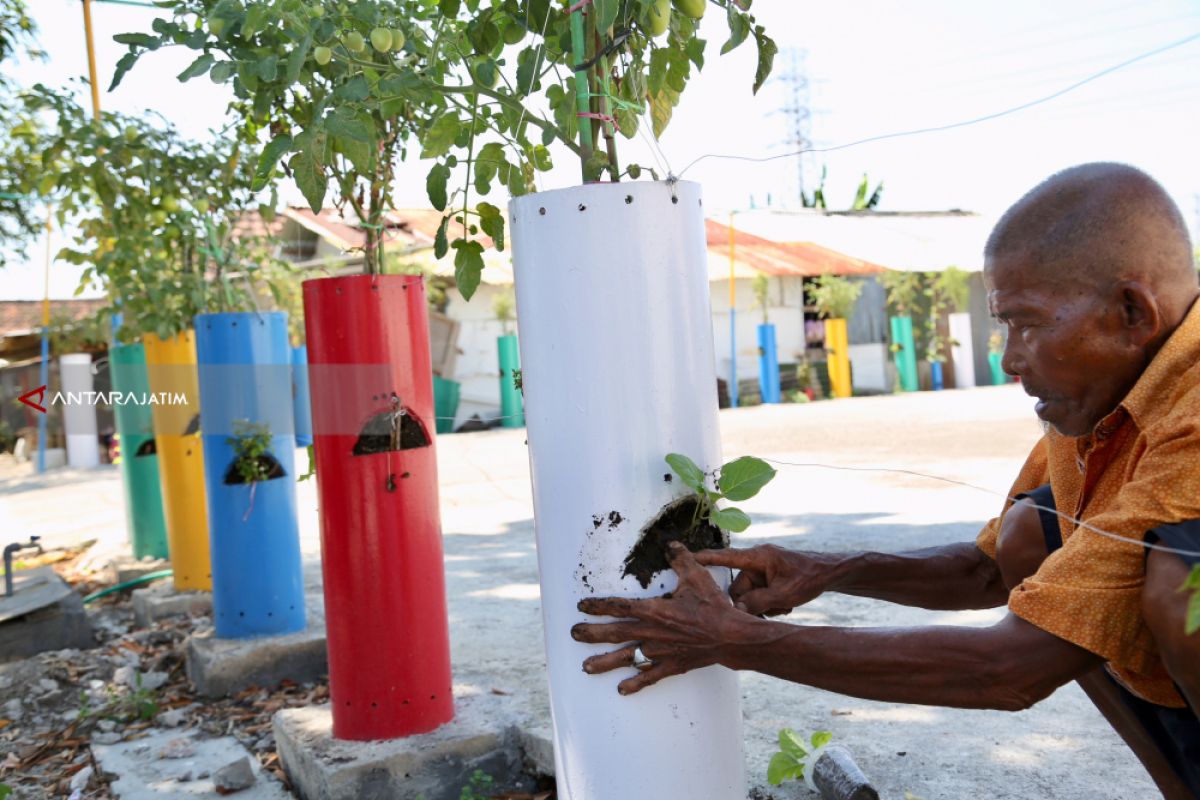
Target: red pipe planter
[{"x": 373, "y": 426}]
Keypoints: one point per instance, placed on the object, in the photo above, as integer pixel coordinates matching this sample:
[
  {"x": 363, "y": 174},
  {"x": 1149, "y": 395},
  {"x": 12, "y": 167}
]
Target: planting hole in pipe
[
  {"x": 193, "y": 426},
  {"x": 676, "y": 522},
  {"x": 388, "y": 431},
  {"x": 147, "y": 448},
  {"x": 267, "y": 465}
]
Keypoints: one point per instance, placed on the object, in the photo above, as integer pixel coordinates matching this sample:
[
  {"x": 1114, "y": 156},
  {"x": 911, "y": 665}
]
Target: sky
[{"x": 871, "y": 67}]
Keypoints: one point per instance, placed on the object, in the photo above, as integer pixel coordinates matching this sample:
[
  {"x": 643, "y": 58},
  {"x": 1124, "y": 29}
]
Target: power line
[{"x": 952, "y": 125}]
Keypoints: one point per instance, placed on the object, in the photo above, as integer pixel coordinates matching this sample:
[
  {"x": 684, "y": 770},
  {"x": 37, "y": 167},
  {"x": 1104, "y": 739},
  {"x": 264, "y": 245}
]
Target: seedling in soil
[
  {"x": 795, "y": 758},
  {"x": 738, "y": 480},
  {"x": 138, "y": 704},
  {"x": 1192, "y": 584},
  {"x": 250, "y": 442}
]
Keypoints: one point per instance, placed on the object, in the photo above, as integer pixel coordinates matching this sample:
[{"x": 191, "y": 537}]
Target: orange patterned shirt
[{"x": 1138, "y": 469}]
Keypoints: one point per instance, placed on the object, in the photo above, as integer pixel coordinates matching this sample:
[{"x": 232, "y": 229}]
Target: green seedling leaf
[
  {"x": 1192, "y": 581},
  {"x": 791, "y": 743},
  {"x": 730, "y": 519},
  {"x": 821, "y": 738},
  {"x": 783, "y": 767},
  {"x": 1192, "y": 624},
  {"x": 742, "y": 478},
  {"x": 687, "y": 471}
]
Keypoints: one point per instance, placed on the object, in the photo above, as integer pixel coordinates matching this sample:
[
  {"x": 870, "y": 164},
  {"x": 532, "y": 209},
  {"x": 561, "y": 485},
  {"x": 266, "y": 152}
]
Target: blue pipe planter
[
  {"x": 301, "y": 405},
  {"x": 245, "y": 370},
  {"x": 768, "y": 364}
]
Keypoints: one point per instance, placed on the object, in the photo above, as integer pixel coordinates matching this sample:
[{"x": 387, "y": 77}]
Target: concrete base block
[
  {"x": 43, "y": 614},
  {"x": 161, "y": 600},
  {"x": 433, "y": 766},
  {"x": 129, "y": 569},
  {"x": 221, "y": 667}
]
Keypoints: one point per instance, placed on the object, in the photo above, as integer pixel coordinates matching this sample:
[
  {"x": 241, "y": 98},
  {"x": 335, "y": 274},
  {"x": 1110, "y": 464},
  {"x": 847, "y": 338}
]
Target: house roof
[
  {"x": 24, "y": 317},
  {"x": 755, "y": 254},
  {"x": 908, "y": 241}
]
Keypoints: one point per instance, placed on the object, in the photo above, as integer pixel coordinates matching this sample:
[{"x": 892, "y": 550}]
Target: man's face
[{"x": 1065, "y": 343}]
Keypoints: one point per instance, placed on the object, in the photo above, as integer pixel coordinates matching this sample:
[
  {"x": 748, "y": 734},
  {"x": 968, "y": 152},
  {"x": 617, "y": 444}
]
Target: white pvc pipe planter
[
  {"x": 79, "y": 413},
  {"x": 962, "y": 352},
  {"x": 618, "y": 371}
]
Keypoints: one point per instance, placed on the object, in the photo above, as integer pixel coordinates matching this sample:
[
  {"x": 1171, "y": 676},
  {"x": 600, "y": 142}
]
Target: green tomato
[
  {"x": 514, "y": 33},
  {"x": 169, "y": 204},
  {"x": 354, "y": 42},
  {"x": 658, "y": 19},
  {"x": 690, "y": 8},
  {"x": 485, "y": 72},
  {"x": 381, "y": 39},
  {"x": 397, "y": 39},
  {"x": 201, "y": 205},
  {"x": 131, "y": 133},
  {"x": 158, "y": 217},
  {"x": 316, "y": 11},
  {"x": 322, "y": 54}
]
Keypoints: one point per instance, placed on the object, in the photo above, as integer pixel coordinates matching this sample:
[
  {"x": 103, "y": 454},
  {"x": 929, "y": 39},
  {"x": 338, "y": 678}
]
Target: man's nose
[{"x": 1013, "y": 361}]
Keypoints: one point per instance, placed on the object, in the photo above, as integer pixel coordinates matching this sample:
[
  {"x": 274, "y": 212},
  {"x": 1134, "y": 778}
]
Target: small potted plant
[
  {"x": 903, "y": 289},
  {"x": 835, "y": 296},
  {"x": 511, "y": 412},
  {"x": 768, "y": 369}
]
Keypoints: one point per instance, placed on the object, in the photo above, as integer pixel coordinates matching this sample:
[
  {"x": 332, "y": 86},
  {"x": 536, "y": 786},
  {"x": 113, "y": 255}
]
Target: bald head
[{"x": 1094, "y": 224}]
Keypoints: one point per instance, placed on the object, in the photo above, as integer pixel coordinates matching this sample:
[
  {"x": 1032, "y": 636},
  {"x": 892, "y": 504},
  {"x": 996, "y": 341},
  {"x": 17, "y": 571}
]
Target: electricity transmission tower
[{"x": 796, "y": 110}]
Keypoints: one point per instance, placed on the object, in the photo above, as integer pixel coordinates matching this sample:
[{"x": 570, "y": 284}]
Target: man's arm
[
  {"x": 1010, "y": 665},
  {"x": 947, "y": 578}
]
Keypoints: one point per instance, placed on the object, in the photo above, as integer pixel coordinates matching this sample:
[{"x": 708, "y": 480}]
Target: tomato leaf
[
  {"x": 435, "y": 187},
  {"x": 440, "y": 136},
  {"x": 492, "y": 223},
  {"x": 310, "y": 172},
  {"x": 766, "y": 57},
  {"x": 198, "y": 67},
  {"x": 468, "y": 266},
  {"x": 269, "y": 158}
]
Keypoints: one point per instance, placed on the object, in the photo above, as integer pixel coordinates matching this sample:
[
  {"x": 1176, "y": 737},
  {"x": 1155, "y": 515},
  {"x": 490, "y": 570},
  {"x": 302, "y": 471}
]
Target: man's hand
[
  {"x": 678, "y": 632},
  {"x": 772, "y": 580}
]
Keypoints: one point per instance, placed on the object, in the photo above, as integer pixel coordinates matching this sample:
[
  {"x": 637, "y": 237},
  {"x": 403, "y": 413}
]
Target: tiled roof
[
  {"x": 805, "y": 259},
  {"x": 21, "y": 317}
]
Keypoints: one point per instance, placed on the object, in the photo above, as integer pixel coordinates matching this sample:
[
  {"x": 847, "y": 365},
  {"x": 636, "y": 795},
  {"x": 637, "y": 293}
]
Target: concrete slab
[
  {"x": 129, "y": 568},
  {"x": 43, "y": 614},
  {"x": 160, "y": 600},
  {"x": 221, "y": 667},
  {"x": 433, "y": 766},
  {"x": 175, "y": 764}
]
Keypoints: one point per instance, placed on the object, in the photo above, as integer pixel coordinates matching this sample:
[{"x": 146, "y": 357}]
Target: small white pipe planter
[
  {"x": 617, "y": 367},
  {"x": 79, "y": 412},
  {"x": 961, "y": 352}
]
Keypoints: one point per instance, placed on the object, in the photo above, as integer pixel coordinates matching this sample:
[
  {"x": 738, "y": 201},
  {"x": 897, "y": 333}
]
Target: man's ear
[{"x": 1141, "y": 317}]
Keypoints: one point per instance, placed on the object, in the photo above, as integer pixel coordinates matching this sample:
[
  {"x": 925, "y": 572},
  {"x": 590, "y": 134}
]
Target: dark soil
[
  {"x": 673, "y": 524},
  {"x": 193, "y": 426},
  {"x": 147, "y": 448},
  {"x": 391, "y": 431},
  {"x": 265, "y": 461}
]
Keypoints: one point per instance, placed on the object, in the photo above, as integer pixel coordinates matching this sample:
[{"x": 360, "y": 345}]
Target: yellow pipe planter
[
  {"x": 837, "y": 344},
  {"x": 171, "y": 367}
]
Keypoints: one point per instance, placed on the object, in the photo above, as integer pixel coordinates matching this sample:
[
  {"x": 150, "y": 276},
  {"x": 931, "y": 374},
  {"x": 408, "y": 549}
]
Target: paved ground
[{"x": 1061, "y": 749}]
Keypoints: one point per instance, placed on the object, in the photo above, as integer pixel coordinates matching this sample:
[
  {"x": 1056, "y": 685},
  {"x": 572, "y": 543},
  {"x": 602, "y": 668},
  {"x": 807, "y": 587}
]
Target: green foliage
[
  {"x": 154, "y": 215},
  {"x": 1192, "y": 584},
  {"x": 737, "y": 480},
  {"x": 250, "y": 441},
  {"x": 503, "y": 306},
  {"x": 762, "y": 288},
  {"x": 835, "y": 296},
  {"x": 863, "y": 201},
  {"x": 903, "y": 289},
  {"x": 312, "y": 464},
  {"x": 122, "y": 704},
  {"x": 5, "y": 790},
  {"x": 954, "y": 286},
  {"x": 794, "y": 757},
  {"x": 483, "y": 87},
  {"x": 69, "y": 335},
  {"x": 479, "y": 787},
  {"x": 21, "y": 213}
]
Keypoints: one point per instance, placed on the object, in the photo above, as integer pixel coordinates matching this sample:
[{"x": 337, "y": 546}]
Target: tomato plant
[
  {"x": 20, "y": 212},
  {"x": 153, "y": 215},
  {"x": 484, "y": 86}
]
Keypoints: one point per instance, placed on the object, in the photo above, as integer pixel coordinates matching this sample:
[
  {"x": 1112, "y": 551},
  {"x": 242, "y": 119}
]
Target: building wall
[
  {"x": 785, "y": 311},
  {"x": 477, "y": 368}
]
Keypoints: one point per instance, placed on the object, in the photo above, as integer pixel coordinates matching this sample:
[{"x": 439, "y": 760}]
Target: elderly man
[{"x": 1092, "y": 275}]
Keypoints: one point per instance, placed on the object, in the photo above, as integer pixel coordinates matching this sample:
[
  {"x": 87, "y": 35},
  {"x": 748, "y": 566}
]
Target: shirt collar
[{"x": 1180, "y": 353}]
